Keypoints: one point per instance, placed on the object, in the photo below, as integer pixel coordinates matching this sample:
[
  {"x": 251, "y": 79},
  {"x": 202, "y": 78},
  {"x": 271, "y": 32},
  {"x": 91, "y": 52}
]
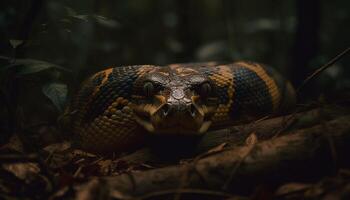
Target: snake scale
[{"x": 115, "y": 107}]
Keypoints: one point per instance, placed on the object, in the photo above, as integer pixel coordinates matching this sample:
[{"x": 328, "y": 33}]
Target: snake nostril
[{"x": 166, "y": 109}]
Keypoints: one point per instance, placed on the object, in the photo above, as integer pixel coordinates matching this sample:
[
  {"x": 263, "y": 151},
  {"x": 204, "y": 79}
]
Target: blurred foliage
[
  {"x": 21, "y": 82},
  {"x": 48, "y": 47}
]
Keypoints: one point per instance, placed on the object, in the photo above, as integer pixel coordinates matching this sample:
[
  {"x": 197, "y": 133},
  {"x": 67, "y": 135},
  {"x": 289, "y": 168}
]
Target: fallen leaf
[
  {"x": 217, "y": 148},
  {"x": 292, "y": 188},
  {"x": 252, "y": 139},
  {"x": 22, "y": 170},
  {"x": 105, "y": 166},
  {"x": 57, "y": 147}
]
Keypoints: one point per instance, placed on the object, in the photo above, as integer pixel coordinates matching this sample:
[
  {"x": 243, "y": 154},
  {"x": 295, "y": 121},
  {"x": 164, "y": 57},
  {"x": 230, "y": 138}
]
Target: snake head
[{"x": 174, "y": 101}]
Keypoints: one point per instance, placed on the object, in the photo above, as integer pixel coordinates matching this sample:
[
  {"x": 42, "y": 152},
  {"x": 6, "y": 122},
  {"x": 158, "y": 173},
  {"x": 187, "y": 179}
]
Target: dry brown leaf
[
  {"x": 58, "y": 160},
  {"x": 14, "y": 143},
  {"x": 292, "y": 188},
  {"x": 81, "y": 153},
  {"x": 252, "y": 139},
  {"x": 105, "y": 166},
  {"x": 217, "y": 148},
  {"x": 57, "y": 147},
  {"x": 22, "y": 170}
]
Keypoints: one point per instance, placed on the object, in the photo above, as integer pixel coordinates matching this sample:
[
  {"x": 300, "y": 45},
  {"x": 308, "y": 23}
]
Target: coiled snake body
[{"x": 114, "y": 108}]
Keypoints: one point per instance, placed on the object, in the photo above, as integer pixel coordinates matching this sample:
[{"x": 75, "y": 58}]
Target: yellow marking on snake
[
  {"x": 145, "y": 69},
  {"x": 182, "y": 71},
  {"x": 105, "y": 73},
  {"x": 224, "y": 77}
]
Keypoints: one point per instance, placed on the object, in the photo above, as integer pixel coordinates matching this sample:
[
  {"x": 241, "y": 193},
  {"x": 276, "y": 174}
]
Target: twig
[
  {"x": 321, "y": 69},
  {"x": 287, "y": 121}
]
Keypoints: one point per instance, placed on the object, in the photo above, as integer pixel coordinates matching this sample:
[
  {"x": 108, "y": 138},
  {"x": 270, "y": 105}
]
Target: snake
[{"x": 115, "y": 108}]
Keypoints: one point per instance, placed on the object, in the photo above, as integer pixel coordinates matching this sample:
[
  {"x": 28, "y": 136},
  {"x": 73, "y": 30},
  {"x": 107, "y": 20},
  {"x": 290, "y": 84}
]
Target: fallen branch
[
  {"x": 301, "y": 156},
  {"x": 236, "y": 135}
]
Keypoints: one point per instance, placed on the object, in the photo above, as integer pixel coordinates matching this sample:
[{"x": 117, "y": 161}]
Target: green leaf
[
  {"x": 110, "y": 23},
  {"x": 57, "y": 93},
  {"x": 104, "y": 21},
  {"x": 31, "y": 66},
  {"x": 82, "y": 17},
  {"x": 16, "y": 43}
]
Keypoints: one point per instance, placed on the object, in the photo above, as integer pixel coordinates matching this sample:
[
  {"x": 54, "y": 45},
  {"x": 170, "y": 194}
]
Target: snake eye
[
  {"x": 148, "y": 89},
  {"x": 205, "y": 90}
]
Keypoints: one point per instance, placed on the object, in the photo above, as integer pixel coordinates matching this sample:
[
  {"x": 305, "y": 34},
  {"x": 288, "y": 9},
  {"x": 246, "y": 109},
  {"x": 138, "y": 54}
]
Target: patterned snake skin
[{"x": 116, "y": 107}]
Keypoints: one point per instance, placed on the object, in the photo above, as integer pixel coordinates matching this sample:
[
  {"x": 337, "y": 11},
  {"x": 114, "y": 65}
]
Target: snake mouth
[
  {"x": 145, "y": 122},
  {"x": 174, "y": 119}
]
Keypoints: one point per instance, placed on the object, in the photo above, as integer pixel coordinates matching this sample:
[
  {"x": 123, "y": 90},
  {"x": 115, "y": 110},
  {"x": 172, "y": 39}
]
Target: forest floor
[{"x": 303, "y": 155}]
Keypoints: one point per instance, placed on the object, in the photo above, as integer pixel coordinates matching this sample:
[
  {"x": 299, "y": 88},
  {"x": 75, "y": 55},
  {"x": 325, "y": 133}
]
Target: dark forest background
[{"x": 48, "y": 47}]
